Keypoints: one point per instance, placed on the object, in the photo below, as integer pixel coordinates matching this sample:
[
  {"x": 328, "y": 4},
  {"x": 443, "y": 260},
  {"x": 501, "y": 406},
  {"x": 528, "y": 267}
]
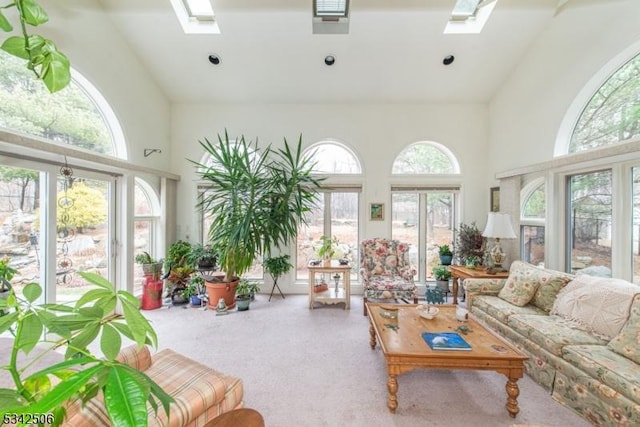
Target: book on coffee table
[{"x": 445, "y": 341}]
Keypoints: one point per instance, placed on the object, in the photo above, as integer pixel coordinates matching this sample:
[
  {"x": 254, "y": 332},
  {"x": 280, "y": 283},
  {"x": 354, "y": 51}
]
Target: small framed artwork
[
  {"x": 494, "y": 199},
  {"x": 376, "y": 211}
]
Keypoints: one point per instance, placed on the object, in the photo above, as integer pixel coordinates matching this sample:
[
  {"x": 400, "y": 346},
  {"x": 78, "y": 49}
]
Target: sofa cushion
[
  {"x": 614, "y": 370},
  {"x": 501, "y": 309},
  {"x": 627, "y": 341},
  {"x": 522, "y": 283},
  {"x": 551, "y": 282},
  {"x": 595, "y": 304},
  {"x": 551, "y": 332}
]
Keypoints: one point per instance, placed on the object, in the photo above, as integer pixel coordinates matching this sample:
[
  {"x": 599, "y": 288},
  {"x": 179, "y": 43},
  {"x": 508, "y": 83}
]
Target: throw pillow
[
  {"x": 551, "y": 282},
  {"x": 595, "y": 304},
  {"x": 627, "y": 341},
  {"x": 521, "y": 284}
]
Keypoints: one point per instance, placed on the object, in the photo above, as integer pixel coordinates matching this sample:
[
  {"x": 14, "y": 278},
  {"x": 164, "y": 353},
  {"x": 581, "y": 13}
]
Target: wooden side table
[
  {"x": 460, "y": 272},
  {"x": 331, "y": 296},
  {"x": 244, "y": 417}
]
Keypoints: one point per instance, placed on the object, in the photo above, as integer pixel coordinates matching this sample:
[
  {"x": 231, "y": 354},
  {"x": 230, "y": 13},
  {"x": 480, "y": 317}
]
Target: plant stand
[{"x": 275, "y": 285}]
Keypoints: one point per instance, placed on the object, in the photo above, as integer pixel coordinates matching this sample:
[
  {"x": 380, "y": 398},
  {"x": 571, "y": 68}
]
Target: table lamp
[{"x": 498, "y": 227}]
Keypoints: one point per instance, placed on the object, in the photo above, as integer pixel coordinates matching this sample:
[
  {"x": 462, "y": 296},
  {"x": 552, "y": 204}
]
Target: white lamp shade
[{"x": 499, "y": 226}]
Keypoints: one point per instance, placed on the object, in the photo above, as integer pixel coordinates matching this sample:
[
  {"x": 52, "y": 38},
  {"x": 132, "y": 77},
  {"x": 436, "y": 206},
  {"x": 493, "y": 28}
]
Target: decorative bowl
[{"x": 428, "y": 312}]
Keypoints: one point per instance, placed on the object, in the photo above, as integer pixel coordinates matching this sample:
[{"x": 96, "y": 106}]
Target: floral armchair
[{"x": 386, "y": 271}]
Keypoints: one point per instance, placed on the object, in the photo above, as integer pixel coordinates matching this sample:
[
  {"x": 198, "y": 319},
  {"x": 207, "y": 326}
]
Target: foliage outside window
[
  {"x": 333, "y": 158},
  {"x": 532, "y": 226},
  {"x": 613, "y": 113},
  {"x": 423, "y": 158}
]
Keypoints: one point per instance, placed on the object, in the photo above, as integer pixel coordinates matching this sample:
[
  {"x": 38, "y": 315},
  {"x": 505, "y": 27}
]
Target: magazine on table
[{"x": 446, "y": 341}]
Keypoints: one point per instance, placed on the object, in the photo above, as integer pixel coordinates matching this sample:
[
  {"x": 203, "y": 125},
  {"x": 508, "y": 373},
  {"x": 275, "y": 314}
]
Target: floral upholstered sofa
[
  {"x": 199, "y": 392},
  {"x": 386, "y": 270},
  {"x": 581, "y": 333}
]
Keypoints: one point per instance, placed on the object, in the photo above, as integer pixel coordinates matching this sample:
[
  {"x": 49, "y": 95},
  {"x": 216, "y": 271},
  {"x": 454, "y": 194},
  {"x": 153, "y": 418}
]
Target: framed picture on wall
[
  {"x": 494, "y": 199},
  {"x": 376, "y": 211}
]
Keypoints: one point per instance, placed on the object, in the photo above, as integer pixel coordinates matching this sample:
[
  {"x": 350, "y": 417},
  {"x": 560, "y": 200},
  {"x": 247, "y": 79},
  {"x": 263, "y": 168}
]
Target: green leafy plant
[
  {"x": 445, "y": 250},
  {"x": 258, "y": 197},
  {"x": 245, "y": 288},
  {"x": 81, "y": 375},
  {"x": 202, "y": 256},
  {"x": 42, "y": 56},
  {"x": 441, "y": 272},
  {"x": 328, "y": 246},
  {"x": 469, "y": 242},
  {"x": 277, "y": 266},
  {"x": 6, "y": 274}
]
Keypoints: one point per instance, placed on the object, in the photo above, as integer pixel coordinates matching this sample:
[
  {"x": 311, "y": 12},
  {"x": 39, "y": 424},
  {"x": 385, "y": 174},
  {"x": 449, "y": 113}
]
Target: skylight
[
  {"x": 331, "y": 8},
  {"x": 196, "y": 16},
  {"x": 469, "y": 16}
]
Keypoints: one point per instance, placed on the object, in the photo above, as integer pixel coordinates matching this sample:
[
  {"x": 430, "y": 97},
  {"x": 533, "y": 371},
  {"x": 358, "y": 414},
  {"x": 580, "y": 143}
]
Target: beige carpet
[{"x": 304, "y": 367}]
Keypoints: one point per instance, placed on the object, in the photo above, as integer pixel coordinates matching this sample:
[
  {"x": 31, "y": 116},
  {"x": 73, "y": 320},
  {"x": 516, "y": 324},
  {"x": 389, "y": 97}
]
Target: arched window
[
  {"x": 613, "y": 113},
  {"x": 424, "y": 212},
  {"x": 146, "y": 222},
  {"x": 77, "y": 115},
  {"x": 333, "y": 158},
  {"x": 425, "y": 158},
  {"x": 337, "y": 213}
]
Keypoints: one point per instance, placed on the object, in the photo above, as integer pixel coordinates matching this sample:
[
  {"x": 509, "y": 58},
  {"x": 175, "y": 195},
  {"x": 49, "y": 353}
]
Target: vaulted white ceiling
[{"x": 392, "y": 54}]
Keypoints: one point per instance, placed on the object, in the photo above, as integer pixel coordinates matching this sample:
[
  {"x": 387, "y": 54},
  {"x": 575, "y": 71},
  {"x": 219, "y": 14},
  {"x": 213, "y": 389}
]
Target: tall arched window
[
  {"x": 337, "y": 213},
  {"x": 532, "y": 222},
  {"x": 424, "y": 208},
  {"x": 82, "y": 224},
  {"x": 146, "y": 222}
]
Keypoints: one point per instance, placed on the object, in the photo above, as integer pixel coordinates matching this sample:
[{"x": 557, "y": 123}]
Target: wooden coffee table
[{"x": 404, "y": 348}]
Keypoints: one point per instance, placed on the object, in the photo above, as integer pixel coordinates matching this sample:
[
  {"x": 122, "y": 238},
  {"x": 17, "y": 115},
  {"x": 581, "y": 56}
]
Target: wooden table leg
[
  {"x": 512, "y": 397},
  {"x": 455, "y": 290},
  {"x": 392, "y": 388},
  {"x": 372, "y": 336}
]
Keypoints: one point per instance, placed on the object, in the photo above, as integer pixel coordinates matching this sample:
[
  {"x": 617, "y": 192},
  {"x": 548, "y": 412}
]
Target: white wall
[
  {"x": 527, "y": 111},
  {"x": 376, "y": 133}
]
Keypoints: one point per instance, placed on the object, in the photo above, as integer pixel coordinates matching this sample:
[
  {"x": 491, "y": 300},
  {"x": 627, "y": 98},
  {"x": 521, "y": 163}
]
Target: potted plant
[
  {"x": 257, "y": 199},
  {"x": 469, "y": 242},
  {"x": 243, "y": 293},
  {"x": 327, "y": 250},
  {"x": 6, "y": 274},
  {"x": 276, "y": 267},
  {"x": 442, "y": 275},
  {"x": 203, "y": 257},
  {"x": 150, "y": 267},
  {"x": 179, "y": 271},
  {"x": 80, "y": 375},
  {"x": 193, "y": 290},
  {"x": 446, "y": 256}
]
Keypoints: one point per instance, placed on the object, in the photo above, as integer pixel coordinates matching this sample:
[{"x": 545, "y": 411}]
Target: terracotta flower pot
[{"x": 217, "y": 289}]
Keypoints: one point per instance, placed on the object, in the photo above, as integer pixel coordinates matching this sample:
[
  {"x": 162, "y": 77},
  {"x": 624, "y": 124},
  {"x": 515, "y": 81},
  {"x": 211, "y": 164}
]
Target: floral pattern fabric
[
  {"x": 627, "y": 342},
  {"x": 386, "y": 269},
  {"x": 522, "y": 283}
]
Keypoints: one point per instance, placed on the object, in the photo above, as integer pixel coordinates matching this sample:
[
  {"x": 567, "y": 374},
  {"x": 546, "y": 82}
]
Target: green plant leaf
[
  {"x": 83, "y": 339},
  {"x": 5, "y": 25},
  {"x": 9, "y": 398},
  {"x": 154, "y": 388},
  {"x": 58, "y": 395},
  {"x": 38, "y": 386},
  {"x": 138, "y": 325},
  {"x": 15, "y": 46},
  {"x": 130, "y": 298},
  {"x": 63, "y": 369},
  {"x": 32, "y": 292},
  {"x": 93, "y": 294},
  {"x": 110, "y": 342},
  {"x": 56, "y": 73},
  {"x": 96, "y": 279},
  {"x": 30, "y": 332},
  {"x": 125, "y": 399},
  {"x": 33, "y": 14},
  {"x": 8, "y": 320}
]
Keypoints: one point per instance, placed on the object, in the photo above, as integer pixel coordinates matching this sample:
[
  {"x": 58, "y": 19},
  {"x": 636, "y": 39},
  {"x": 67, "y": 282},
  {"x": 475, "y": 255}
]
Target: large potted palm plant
[{"x": 257, "y": 197}]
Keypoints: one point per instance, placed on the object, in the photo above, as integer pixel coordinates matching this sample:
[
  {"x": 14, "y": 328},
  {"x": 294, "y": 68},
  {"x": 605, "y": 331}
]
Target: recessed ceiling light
[
  {"x": 329, "y": 60},
  {"x": 448, "y": 60},
  {"x": 214, "y": 59}
]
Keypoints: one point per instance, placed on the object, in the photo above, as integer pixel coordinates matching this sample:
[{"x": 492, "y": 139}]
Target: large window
[
  {"x": 635, "y": 242},
  {"x": 145, "y": 225},
  {"x": 589, "y": 227},
  {"x": 424, "y": 215},
  {"x": 532, "y": 223}
]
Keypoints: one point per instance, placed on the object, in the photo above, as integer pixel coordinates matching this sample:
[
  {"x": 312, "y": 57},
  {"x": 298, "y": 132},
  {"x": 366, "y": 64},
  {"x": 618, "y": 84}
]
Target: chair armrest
[
  {"x": 407, "y": 273},
  {"x": 473, "y": 287},
  {"x": 137, "y": 357}
]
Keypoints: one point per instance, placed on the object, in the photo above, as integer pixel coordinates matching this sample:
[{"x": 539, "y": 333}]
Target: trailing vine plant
[{"x": 42, "y": 56}]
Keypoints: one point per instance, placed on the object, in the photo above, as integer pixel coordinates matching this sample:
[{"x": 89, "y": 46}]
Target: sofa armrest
[
  {"x": 473, "y": 287},
  {"x": 137, "y": 357}
]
